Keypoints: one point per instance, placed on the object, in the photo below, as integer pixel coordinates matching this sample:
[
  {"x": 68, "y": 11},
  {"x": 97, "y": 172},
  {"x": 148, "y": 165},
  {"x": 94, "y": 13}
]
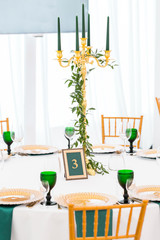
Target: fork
[{"x": 31, "y": 204}]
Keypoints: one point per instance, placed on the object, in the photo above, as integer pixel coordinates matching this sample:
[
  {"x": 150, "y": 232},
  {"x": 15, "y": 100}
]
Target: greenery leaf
[{"x": 80, "y": 123}]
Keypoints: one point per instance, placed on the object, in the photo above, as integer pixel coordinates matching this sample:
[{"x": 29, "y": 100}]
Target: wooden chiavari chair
[
  {"x": 112, "y": 122},
  {"x": 116, "y": 235}
]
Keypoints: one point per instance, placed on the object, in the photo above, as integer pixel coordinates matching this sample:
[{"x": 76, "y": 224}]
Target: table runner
[
  {"x": 6, "y": 222},
  {"x": 90, "y": 223}
]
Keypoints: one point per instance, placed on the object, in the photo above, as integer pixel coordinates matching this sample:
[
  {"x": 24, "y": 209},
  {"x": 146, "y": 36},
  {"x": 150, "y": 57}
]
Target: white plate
[
  {"x": 35, "y": 149},
  {"x": 19, "y": 196},
  {"x": 85, "y": 198},
  {"x": 148, "y": 192},
  {"x": 106, "y": 149},
  {"x": 150, "y": 153}
]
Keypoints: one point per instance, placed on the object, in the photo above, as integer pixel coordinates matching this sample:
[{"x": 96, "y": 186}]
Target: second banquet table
[{"x": 49, "y": 222}]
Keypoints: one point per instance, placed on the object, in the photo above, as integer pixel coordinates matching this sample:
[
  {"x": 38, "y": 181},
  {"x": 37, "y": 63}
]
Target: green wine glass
[
  {"x": 50, "y": 177},
  {"x": 133, "y": 136},
  {"x": 125, "y": 177},
  {"x": 69, "y": 132},
  {"x": 7, "y": 137}
]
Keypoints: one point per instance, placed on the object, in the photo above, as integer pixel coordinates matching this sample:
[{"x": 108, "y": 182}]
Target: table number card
[{"x": 74, "y": 164}]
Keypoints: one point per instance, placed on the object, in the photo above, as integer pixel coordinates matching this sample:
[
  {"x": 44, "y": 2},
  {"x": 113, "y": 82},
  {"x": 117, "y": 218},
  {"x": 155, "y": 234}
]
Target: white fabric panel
[{"x": 39, "y": 16}]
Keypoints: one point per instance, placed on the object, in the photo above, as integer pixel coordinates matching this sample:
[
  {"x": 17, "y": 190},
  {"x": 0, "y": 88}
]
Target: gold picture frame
[{"x": 74, "y": 164}]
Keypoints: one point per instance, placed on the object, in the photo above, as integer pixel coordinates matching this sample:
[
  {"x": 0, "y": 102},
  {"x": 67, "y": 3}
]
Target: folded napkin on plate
[
  {"x": 90, "y": 223},
  {"x": 6, "y": 222}
]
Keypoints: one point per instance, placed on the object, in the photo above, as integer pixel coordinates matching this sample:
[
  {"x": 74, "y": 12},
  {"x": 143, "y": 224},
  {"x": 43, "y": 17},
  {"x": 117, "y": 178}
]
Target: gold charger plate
[
  {"x": 150, "y": 153},
  {"x": 148, "y": 192},
  {"x": 19, "y": 196},
  {"x": 85, "y": 199},
  {"x": 103, "y": 148},
  {"x": 36, "y": 149}
]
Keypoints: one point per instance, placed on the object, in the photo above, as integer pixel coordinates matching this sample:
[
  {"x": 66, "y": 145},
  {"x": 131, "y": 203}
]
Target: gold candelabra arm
[
  {"x": 107, "y": 56},
  {"x": 60, "y": 60},
  {"x": 77, "y": 57}
]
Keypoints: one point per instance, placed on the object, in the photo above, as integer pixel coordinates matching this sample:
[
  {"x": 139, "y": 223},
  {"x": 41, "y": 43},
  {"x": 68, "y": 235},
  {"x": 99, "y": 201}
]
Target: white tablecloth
[{"x": 40, "y": 222}]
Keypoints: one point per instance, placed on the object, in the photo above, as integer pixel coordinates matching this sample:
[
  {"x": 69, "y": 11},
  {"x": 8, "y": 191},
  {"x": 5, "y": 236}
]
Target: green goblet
[
  {"x": 7, "y": 137},
  {"x": 69, "y": 132},
  {"x": 125, "y": 177},
  {"x": 133, "y": 136},
  {"x": 50, "y": 177}
]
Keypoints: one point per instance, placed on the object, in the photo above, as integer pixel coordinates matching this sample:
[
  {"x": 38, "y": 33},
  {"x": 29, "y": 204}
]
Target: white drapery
[{"x": 128, "y": 90}]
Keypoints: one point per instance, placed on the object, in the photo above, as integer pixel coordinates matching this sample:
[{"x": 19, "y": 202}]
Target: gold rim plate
[
  {"x": 106, "y": 148},
  {"x": 35, "y": 149},
  {"x": 148, "y": 192},
  {"x": 85, "y": 199},
  {"x": 19, "y": 196},
  {"x": 150, "y": 153}
]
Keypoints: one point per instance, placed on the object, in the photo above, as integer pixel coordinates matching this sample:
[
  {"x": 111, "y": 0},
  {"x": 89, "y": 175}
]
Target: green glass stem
[
  {"x": 131, "y": 146},
  {"x": 69, "y": 142},
  {"x": 48, "y": 197},
  {"x": 9, "y": 149},
  {"x": 126, "y": 196}
]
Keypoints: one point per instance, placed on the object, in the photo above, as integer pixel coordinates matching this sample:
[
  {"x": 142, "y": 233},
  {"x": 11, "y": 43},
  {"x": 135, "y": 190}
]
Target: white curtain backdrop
[
  {"x": 128, "y": 90},
  {"x": 12, "y": 77}
]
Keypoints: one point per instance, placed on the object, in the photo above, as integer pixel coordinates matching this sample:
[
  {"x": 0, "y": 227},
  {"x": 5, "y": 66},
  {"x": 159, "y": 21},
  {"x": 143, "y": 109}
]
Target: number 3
[{"x": 75, "y": 164}]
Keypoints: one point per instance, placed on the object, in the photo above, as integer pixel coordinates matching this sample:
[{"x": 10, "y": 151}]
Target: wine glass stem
[
  {"x": 125, "y": 196},
  {"x": 69, "y": 143},
  {"x": 48, "y": 197},
  {"x": 131, "y": 147},
  {"x": 9, "y": 149}
]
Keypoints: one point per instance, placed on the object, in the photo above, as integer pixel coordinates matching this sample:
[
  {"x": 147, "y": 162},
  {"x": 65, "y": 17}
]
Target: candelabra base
[{"x": 90, "y": 170}]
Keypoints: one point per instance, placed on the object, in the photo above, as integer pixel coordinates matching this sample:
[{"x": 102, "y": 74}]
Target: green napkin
[
  {"x": 90, "y": 223},
  {"x": 6, "y": 222}
]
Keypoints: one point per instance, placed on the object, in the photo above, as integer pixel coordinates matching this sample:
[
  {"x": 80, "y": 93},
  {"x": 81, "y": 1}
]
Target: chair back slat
[
  {"x": 140, "y": 221},
  {"x": 95, "y": 223},
  {"x": 107, "y": 223},
  {"x": 111, "y": 131},
  {"x": 134, "y": 122},
  {"x": 103, "y": 131},
  {"x": 109, "y": 126},
  {"x": 84, "y": 224},
  {"x": 1, "y": 128},
  {"x": 118, "y": 222},
  {"x": 136, "y": 235},
  {"x": 129, "y": 221},
  {"x": 158, "y": 104}
]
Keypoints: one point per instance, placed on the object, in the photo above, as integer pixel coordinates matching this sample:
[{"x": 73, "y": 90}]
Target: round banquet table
[{"x": 49, "y": 222}]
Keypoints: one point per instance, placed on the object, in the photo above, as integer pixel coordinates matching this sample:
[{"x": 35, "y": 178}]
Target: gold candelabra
[{"x": 81, "y": 58}]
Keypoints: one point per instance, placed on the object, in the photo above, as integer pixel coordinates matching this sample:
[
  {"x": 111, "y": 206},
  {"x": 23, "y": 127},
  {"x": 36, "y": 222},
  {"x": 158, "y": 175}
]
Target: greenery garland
[{"x": 81, "y": 122}]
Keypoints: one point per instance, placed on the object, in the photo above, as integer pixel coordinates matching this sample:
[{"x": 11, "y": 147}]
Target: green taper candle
[
  {"x": 107, "y": 37},
  {"x": 83, "y": 22},
  {"x": 59, "y": 35},
  {"x": 88, "y": 39},
  {"x": 77, "y": 35}
]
